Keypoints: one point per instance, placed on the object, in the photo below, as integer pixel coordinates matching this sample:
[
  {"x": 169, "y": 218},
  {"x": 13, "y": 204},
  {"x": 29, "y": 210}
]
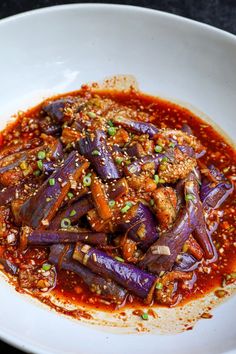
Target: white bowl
[{"x": 57, "y": 49}]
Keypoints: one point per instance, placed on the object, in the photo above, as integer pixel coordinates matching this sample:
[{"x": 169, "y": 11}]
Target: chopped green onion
[
  {"x": 152, "y": 202},
  {"x": 41, "y": 155},
  {"x": 156, "y": 179},
  {"x": 125, "y": 209},
  {"x": 52, "y": 181},
  {"x": 127, "y": 162},
  {"x": 158, "y": 148},
  {"x": 130, "y": 204},
  {"x": 87, "y": 181},
  {"x": 110, "y": 123},
  {"x": 119, "y": 259},
  {"x": 40, "y": 164},
  {"x": 119, "y": 160},
  {"x": 161, "y": 180},
  {"x": 37, "y": 173},
  {"x": 132, "y": 169},
  {"x": 112, "y": 203},
  {"x": 172, "y": 145},
  {"x": 159, "y": 286},
  {"x": 91, "y": 114},
  {"x": 111, "y": 131},
  {"x": 73, "y": 212},
  {"x": 46, "y": 266},
  {"x": 189, "y": 197},
  {"x": 164, "y": 159},
  {"x": 70, "y": 195},
  {"x": 145, "y": 316},
  {"x": 95, "y": 153},
  {"x": 65, "y": 223}
]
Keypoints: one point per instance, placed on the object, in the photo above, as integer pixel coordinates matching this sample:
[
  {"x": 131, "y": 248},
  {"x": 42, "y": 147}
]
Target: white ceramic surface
[{"x": 55, "y": 50}]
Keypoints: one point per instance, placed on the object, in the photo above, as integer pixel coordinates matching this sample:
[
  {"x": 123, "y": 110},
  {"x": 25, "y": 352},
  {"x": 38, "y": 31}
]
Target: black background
[{"x": 219, "y": 13}]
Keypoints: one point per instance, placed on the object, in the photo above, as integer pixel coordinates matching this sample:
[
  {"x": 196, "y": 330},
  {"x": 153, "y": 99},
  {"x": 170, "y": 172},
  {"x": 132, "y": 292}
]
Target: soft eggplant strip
[
  {"x": 61, "y": 256},
  {"x": 49, "y": 237},
  {"x": 97, "y": 152},
  {"x": 130, "y": 277},
  {"x": 136, "y": 126},
  {"x": 25, "y": 145},
  {"x": 9, "y": 267},
  {"x": 118, "y": 189},
  {"x": 186, "y": 263},
  {"x": 9, "y": 193},
  {"x": 214, "y": 194},
  {"x": 73, "y": 212},
  {"x": 140, "y": 225},
  {"x": 163, "y": 253},
  {"x": 136, "y": 166},
  {"x": 100, "y": 199},
  {"x": 135, "y": 150},
  {"x": 55, "y": 109},
  {"x": 42, "y": 207}
]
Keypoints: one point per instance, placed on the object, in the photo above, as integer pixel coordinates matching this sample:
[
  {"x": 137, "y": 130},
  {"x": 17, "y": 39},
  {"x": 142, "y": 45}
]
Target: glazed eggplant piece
[
  {"x": 97, "y": 152},
  {"x": 162, "y": 254},
  {"x": 40, "y": 209},
  {"x": 136, "y": 167},
  {"x": 186, "y": 263},
  {"x": 140, "y": 225},
  {"x": 9, "y": 267},
  {"x": 74, "y": 212},
  {"x": 61, "y": 256},
  {"x": 135, "y": 280},
  {"x": 118, "y": 189},
  {"x": 31, "y": 237},
  {"x": 136, "y": 126},
  {"x": 55, "y": 109},
  {"x": 135, "y": 150},
  {"x": 214, "y": 194},
  {"x": 8, "y": 194}
]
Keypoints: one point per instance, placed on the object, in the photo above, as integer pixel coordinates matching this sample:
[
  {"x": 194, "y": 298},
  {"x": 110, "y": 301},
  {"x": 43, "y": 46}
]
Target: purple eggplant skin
[
  {"x": 77, "y": 209},
  {"x": 9, "y": 267},
  {"x": 136, "y": 126},
  {"x": 49, "y": 237},
  {"x": 214, "y": 194},
  {"x": 61, "y": 256},
  {"x": 97, "y": 152},
  {"x": 136, "y": 167},
  {"x": 55, "y": 109},
  {"x": 186, "y": 263},
  {"x": 135, "y": 280},
  {"x": 118, "y": 188},
  {"x": 48, "y": 127},
  {"x": 173, "y": 239},
  {"x": 187, "y": 129},
  {"x": 141, "y": 227},
  {"x": 9, "y": 193},
  {"x": 45, "y": 203},
  {"x": 135, "y": 150}
]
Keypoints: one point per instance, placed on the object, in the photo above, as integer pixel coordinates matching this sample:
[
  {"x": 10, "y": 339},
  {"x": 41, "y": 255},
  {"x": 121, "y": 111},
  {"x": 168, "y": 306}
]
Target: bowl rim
[{"x": 24, "y": 343}]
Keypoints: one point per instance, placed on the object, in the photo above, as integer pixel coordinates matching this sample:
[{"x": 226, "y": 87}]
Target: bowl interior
[{"x": 56, "y": 50}]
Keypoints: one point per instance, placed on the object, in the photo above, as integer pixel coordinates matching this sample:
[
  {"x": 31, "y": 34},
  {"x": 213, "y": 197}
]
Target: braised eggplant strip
[
  {"x": 135, "y": 280},
  {"x": 49, "y": 237},
  {"x": 42, "y": 207},
  {"x": 113, "y": 199},
  {"x": 61, "y": 256}
]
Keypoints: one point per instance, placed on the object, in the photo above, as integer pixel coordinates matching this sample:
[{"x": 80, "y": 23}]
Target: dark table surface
[{"x": 219, "y": 13}]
